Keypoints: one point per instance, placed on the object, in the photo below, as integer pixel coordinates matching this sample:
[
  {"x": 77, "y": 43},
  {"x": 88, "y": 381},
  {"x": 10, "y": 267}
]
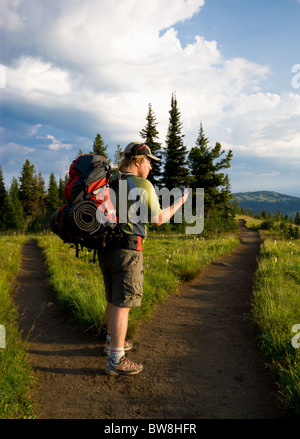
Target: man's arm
[{"x": 168, "y": 212}]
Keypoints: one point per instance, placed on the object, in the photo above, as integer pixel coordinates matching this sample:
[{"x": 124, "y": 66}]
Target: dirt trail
[{"x": 198, "y": 351}]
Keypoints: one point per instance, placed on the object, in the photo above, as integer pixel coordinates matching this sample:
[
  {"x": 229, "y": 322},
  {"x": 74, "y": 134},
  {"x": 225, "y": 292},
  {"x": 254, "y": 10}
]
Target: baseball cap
[{"x": 137, "y": 148}]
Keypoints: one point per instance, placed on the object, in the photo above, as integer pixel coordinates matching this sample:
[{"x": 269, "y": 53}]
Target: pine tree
[
  {"x": 98, "y": 146},
  {"x": 2, "y": 195},
  {"x": 12, "y": 217},
  {"x": 117, "y": 158},
  {"x": 28, "y": 189},
  {"x": 205, "y": 170},
  {"x": 41, "y": 194},
  {"x": 176, "y": 173},
  {"x": 149, "y": 134},
  {"x": 18, "y": 213},
  {"x": 32, "y": 193},
  {"x": 53, "y": 201},
  {"x": 7, "y": 214},
  {"x": 61, "y": 187}
]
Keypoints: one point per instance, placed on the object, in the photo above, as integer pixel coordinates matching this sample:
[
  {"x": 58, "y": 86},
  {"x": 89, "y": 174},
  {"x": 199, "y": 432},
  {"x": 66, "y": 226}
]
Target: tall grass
[
  {"x": 167, "y": 261},
  {"x": 276, "y": 310},
  {"x": 15, "y": 372}
]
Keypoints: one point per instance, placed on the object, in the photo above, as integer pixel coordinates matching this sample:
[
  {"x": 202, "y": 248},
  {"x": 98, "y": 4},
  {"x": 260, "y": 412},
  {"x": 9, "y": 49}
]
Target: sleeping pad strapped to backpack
[{"x": 89, "y": 218}]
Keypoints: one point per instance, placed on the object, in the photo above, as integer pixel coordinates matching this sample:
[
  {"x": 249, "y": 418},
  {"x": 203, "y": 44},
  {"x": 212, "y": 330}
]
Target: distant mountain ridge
[{"x": 270, "y": 202}]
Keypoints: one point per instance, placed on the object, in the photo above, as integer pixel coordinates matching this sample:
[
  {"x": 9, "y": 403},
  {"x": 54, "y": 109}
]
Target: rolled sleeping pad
[{"x": 82, "y": 218}]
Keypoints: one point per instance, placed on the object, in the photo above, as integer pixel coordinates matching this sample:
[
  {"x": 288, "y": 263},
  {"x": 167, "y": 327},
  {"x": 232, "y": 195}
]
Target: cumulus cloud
[
  {"x": 9, "y": 18},
  {"x": 55, "y": 144},
  {"x": 94, "y": 65},
  {"x": 90, "y": 58}
]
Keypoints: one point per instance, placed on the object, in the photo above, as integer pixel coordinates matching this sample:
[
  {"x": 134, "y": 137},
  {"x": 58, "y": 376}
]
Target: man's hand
[{"x": 168, "y": 212}]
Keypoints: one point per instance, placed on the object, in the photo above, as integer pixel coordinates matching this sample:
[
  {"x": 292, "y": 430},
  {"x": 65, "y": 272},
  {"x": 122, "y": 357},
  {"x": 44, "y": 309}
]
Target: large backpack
[{"x": 88, "y": 219}]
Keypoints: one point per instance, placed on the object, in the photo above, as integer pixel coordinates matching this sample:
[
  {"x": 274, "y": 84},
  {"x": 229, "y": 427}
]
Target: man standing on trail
[{"x": 122, "y": 262}]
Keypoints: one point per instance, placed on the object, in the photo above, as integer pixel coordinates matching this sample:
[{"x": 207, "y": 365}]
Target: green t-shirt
[{"x": 137, "y": 203}]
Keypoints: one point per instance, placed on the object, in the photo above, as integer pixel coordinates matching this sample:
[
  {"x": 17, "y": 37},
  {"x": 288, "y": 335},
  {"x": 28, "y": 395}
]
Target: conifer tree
[
  {"x": 175, "y": 170},
  {"x": 18, "y": 213},
  {"x": 7, "y": 214},
  {"x": 117, "y": 157},
  {"x": 53, "y": 201},
  {"x": 150, "y": 135},
  {"x": 41, "y": 194},
  {"x": 2, "y": 191},
  {"x": 28, "y": 189},
  {"x": 206, "y": 173},
  {"x": 98, "y": 146},
  {"x": 32, "y": 193},
  {"x": 61, "y": 186}
]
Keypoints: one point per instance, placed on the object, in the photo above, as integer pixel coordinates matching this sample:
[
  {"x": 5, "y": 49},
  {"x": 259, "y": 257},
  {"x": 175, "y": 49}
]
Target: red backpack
[{"x": 89, "y": 217}]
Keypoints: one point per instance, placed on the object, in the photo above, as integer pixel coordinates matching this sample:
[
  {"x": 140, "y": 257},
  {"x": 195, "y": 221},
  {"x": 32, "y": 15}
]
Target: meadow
[
  {"x": 78, "y": 285},
  {"x": 15, "y": 373},
  {"x": 168, "y": 260},
  {"x": 276, "y": 314}
]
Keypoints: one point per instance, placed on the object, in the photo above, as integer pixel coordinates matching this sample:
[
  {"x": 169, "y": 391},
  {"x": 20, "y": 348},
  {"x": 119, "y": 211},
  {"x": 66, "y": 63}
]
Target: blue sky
[{"x": 73, "y": 68}]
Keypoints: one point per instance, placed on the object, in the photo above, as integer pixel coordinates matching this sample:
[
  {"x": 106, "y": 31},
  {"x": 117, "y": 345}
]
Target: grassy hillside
[{"x": 271, "y": 202}]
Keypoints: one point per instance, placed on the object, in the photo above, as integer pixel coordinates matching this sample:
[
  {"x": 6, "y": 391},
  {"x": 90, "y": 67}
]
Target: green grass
[
  {"x": 276, "y": 309},
  {"x": 78, "y": 284},
  {"x": 167, "y": 261},
  {"x": 15, "y": 372},
  {"x": 252, "y": 223}
]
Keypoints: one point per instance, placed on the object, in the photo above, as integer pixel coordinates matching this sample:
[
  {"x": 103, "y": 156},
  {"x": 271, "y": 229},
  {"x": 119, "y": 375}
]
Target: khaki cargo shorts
[{"x": 123, "y": 275}]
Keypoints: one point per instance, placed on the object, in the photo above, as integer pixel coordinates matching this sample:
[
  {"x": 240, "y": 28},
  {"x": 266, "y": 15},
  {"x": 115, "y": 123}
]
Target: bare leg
[{"x": 117, "y": 323}]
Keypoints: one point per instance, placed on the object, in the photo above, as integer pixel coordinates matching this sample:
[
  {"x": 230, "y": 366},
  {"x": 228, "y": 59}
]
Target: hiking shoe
[
  {"x": 127, "y": 347},
  {"x": 124, "y": 367}
]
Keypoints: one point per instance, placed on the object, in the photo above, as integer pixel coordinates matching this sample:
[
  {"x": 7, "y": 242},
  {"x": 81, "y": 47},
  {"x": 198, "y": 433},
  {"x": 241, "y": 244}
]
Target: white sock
[
  {"x": 116, "y": 354},
  {"x": 108, "y": 337}
]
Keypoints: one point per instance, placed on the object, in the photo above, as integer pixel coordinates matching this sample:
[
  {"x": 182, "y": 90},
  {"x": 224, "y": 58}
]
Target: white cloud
[
  {"x": 94, "y": 65},
  {"x": 55, "y": 144},
  {"x": 36, "y": 79},
  {"x": 9, "y": 18}
]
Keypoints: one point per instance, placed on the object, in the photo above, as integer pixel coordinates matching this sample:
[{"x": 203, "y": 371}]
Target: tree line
[
  {"x": 276, "y": 222},
  {"x": 28, "y": 204}
]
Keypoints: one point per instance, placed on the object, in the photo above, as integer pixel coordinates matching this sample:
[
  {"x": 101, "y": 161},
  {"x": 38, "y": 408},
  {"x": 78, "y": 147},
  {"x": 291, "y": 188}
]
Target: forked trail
[{"x": 198, "y": 350}]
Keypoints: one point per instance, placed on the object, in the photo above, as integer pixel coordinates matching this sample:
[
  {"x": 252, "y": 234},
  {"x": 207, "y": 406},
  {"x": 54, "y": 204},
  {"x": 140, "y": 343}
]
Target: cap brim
[{"x": 152, "y": 157}]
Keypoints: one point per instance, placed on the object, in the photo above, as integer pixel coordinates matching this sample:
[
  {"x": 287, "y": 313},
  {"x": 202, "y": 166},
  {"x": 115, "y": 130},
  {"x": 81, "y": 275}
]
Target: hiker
[{"x": 122, "y": 262}]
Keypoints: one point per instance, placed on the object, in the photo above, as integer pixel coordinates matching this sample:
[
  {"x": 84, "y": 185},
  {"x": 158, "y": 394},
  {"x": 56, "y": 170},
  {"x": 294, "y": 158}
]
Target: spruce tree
[
  {"x": 18, "y": 213},
  {"x": 53, "y": 201},
  {"x": 2, "y": 194},
  {"x": 28, "y": 189},
  {"x": 7, "y": 214},
  {"x": 98, "y": 146},
  {"x": 32, "y": 194},
  {"x": 117, "y": 158},
  {"x": 176, "y": 173},
  {"x": 207, "y": 174},
  {"x": 150, "y": 134},
  {"x": 61, "y": 187},
  {"x": 41, "y": 194}
]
